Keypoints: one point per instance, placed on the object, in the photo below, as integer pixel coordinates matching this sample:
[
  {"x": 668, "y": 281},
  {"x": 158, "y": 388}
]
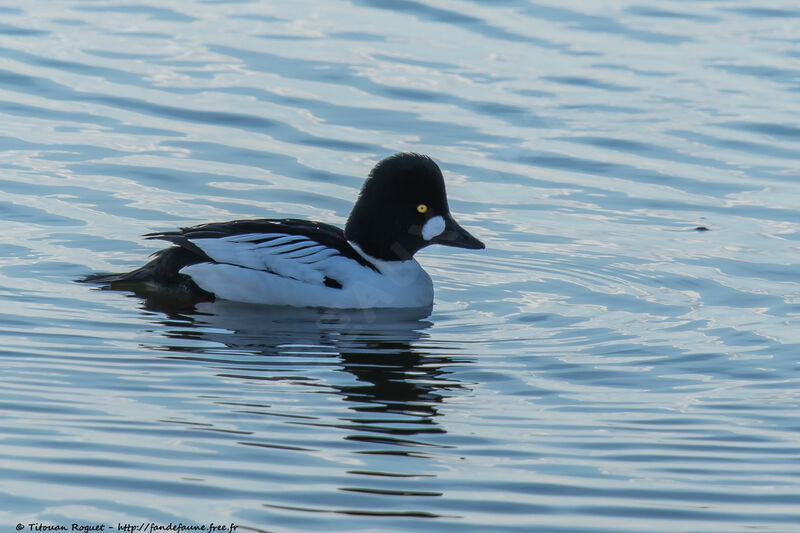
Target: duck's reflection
[{"x": 401, "y": 376}]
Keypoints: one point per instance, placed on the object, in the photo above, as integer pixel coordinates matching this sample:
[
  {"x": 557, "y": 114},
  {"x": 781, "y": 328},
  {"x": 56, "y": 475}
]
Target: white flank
[
  {"x": 433, "y": 228},
  {"x": 291, "y": 270}
]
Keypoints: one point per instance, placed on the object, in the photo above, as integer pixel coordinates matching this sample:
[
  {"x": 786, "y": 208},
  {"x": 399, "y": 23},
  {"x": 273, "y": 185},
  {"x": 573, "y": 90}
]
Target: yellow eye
[{"x": 422, "y": 208}]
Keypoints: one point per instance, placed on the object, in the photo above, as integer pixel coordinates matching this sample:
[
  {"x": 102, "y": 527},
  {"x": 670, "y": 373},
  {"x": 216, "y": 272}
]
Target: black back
[{"x": 325, "y": 234}]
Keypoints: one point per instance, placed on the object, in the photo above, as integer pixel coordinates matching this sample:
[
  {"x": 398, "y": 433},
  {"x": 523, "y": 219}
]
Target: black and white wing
[{"x": 290, "y": 248}]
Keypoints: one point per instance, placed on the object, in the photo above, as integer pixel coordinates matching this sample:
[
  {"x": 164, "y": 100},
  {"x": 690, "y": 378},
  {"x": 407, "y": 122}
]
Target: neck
[{"x": 383, "y": 265}]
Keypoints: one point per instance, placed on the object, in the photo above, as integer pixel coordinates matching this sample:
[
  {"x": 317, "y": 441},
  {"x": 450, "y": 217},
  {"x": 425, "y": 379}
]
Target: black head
[{"x": 402, "y": 207}]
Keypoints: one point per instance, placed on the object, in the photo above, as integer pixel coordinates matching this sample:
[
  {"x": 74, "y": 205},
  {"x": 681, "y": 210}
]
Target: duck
[{"x": 401, "y": 208}]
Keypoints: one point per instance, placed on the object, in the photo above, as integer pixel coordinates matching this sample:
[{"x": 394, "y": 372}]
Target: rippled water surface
[{"x": 623, "y": 357}]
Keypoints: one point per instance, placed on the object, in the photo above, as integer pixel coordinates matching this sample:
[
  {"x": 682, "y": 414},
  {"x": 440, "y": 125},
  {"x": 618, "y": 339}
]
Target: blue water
[{"x": 623, "y": 357}]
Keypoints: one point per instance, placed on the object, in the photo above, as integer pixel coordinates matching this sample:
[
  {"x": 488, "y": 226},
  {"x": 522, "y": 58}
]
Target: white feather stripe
[
  {"x": 286, "y": 248},
  {"x": 308, "y": 251},
  {"x": 318, "y": 256},
  {"x": 283, "y": 239},
  {"x": 302, "y": 252}
]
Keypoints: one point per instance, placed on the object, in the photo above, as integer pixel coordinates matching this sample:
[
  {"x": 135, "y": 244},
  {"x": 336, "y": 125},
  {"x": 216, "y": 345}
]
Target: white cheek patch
[{"x": 433, "y": 228}]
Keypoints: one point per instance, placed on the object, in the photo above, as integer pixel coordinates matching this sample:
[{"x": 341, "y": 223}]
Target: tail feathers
[
  {"x": 163, "y": 269},
  {"x": 140, "y": 275},
  {"x": 160, "y": 280},
  {"x": 106, "y": 278}
]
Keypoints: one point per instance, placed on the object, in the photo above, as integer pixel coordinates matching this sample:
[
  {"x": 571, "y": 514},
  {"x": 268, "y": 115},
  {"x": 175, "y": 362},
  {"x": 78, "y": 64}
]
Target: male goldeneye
[{"x": 402, "y": 208}]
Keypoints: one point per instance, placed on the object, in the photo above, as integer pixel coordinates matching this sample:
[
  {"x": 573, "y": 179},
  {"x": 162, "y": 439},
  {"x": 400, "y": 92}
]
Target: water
[{"x": 605, "y": 365}]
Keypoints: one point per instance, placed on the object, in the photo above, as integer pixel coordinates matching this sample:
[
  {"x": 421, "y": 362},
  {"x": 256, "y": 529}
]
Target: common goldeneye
[{"x": 402, "y": 208}]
